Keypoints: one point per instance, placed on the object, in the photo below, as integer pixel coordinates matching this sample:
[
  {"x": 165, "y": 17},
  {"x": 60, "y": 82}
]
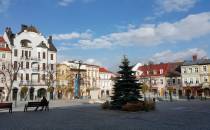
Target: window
[
  {"x": 2, "y": 80},
  {"x": 161, "y": 71},
  {"x": 21, "y": 77},
  {"x": 15, "y": 52},
  {"x": 161, "y": 81},
  {"x": 204, "y": 68},
  {"x": 38, "y": 67},
  {"x": 190, "y": 70},
  {"x": 27, "y": 65},
  {"x": 27, "y": 77},
  {"x": 3, "y": 67},
  {"x": 51, "y": 56},
  {"x": 197, "y": 81},
  {"x": 205, "y": 79},
  {"x": 196, "y": 70},
  {"x": 43, "y": 66},
  {"x": 15, "y": 64},
  {"x": 185, "y": 81},
  {"x": 51, "y": 66},
  {"x": 22, "y": 55},
  {"x": 174, "y": 81},
  {"x": 43, "y": 55},
  {"x": 43, "y": 77},
  {"x": 26, "y": 54},
  {"x": 39, "y": 78},
  {"x": 3, "y": 55},
  {"x": 191, "y": 81},
  {"x": 29, "y": 53},
  {"x": 155, "y": 82},
  {"x": 179, "y": 81},
  {"x": 38, "y": 55},
  {"x": 15, "y": 76},
  {"x": 21, "y": 65},
  {"x": 184, "y": 70}
]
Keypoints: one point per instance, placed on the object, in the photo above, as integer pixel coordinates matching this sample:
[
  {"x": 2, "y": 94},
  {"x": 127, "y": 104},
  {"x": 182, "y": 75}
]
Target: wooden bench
[
  {"x": 6, "y": 105},
  {"x": 35, "y": 104}
]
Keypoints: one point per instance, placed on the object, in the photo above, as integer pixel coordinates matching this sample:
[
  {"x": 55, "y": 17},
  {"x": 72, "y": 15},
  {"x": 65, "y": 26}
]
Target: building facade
[
  {"x": 106, "y": 83},
  {"x": 5, "y": 60},
  {"x": 89, "y": 83},
  {"x": 195, "y": 77},
  {"x": 66, "y": 77},
  {"x": 34, "y": 56},
  {"x": 160, "y": 78}
]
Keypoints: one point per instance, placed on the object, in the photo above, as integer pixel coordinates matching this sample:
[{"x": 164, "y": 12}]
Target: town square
[{"x": 104, "y": 64}]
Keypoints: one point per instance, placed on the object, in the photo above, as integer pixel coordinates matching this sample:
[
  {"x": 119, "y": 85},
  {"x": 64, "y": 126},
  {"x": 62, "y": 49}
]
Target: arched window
[{"x": 24, "y": 43}]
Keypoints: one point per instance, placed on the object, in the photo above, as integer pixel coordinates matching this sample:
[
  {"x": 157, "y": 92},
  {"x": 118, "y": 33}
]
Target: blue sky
[{"x": 102, "y": 31}]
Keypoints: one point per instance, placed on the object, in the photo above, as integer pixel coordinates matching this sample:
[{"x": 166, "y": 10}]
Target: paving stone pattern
[{"x": 179, "y": 115}]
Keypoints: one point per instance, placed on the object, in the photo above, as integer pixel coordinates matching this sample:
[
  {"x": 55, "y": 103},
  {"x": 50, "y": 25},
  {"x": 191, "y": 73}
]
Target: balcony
[
  {"x": 35, "y": 59},
  {"x": 35, "y": 69},
  {"x": 32, "y": 83}
]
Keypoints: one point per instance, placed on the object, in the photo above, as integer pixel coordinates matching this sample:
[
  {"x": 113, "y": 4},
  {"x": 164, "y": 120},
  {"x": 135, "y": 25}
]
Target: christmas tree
[{"x": 126, "y": 88}]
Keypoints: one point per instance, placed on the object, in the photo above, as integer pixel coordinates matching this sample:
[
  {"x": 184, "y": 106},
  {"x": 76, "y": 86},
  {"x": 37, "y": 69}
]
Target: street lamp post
[{"x": 77, "y": 84}]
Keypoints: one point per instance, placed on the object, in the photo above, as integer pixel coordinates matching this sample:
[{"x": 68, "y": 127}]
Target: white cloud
[
  {"x": 4, "y": 5},
  {"x": 92, "y": 61},
  {"x": 168, "y": 6},
  {"x": 68, "y": 2},
  {"x": 73, "y": 35},
  {"x": 65, "y": 2},
  {"x": 189, "y": 28},
  {"x": 170, "y": 56}
]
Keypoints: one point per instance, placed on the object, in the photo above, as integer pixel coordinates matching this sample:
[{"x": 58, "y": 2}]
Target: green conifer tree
[{"x": 126, "y": 88}]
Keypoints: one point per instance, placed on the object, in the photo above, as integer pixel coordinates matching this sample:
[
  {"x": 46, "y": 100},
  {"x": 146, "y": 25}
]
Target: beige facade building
[
  {"x": 89, "y": 82},
  {"x": 5, "y": 60}
]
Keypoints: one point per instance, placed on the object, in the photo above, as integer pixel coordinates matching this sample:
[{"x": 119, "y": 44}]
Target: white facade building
[
  {"x": 195, "y": 77},
  {"x": 35, "y": 57},
  {"x": 106, "y": 83}
]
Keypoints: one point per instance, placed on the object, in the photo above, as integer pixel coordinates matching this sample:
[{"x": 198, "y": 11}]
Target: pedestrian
[{"x": 43, "y": 103}]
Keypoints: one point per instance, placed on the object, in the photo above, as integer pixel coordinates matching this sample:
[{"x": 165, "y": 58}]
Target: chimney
[
  {"x": 50, "y": 39},
  {"x": 23, "y": 27},
  {"x": 195, "y": 57}
]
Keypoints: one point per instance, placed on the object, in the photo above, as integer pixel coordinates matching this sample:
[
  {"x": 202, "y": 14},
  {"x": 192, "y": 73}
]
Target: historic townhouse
[
  {"x": 195, "y": 77},
  {"x": 34, "y": 56},
  {"x": 106, "y": 82},
  {"x": 65, "y": 81},
  {"x": 161, "y": 77},
  {"x": 89, "y": 83},
  {"x": 5, "y": 60}
]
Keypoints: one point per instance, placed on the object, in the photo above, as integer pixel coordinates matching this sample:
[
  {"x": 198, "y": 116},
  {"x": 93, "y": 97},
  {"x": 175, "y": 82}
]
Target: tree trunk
[
  {"x": 8, "y": 94},
  {"x": 145, "y": 97}
]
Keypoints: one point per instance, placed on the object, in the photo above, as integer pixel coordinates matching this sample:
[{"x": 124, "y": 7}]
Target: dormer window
[{"x": 25, "y": 42}]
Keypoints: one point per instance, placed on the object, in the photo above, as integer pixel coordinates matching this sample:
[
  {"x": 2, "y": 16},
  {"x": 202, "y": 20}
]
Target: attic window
[{"x": 24, "y": 42}]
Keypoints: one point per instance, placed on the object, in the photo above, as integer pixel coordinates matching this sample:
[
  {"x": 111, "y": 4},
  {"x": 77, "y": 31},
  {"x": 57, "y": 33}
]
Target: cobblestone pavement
[{"x": 180, "y": 115}]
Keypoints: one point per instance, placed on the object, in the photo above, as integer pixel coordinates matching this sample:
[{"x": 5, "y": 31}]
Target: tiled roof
[
  {"x": 104, "y": 70},
  {"x": 52, "y": 47},
  {"x": 42, "y": 45},
  {"x": 197, "y": 62},
  {"x": 167, "y": 68},
  {"x": 4, "y": 49},
  {"x": 2, "y": 39}
]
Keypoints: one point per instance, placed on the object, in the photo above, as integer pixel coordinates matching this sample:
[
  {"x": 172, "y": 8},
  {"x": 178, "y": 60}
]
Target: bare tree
[{"x": 10, "y": 73}]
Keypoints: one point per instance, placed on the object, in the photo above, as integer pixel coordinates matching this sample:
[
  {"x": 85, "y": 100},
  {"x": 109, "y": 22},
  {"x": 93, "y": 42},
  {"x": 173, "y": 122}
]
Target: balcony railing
[{"x": 32, "y": 83}]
